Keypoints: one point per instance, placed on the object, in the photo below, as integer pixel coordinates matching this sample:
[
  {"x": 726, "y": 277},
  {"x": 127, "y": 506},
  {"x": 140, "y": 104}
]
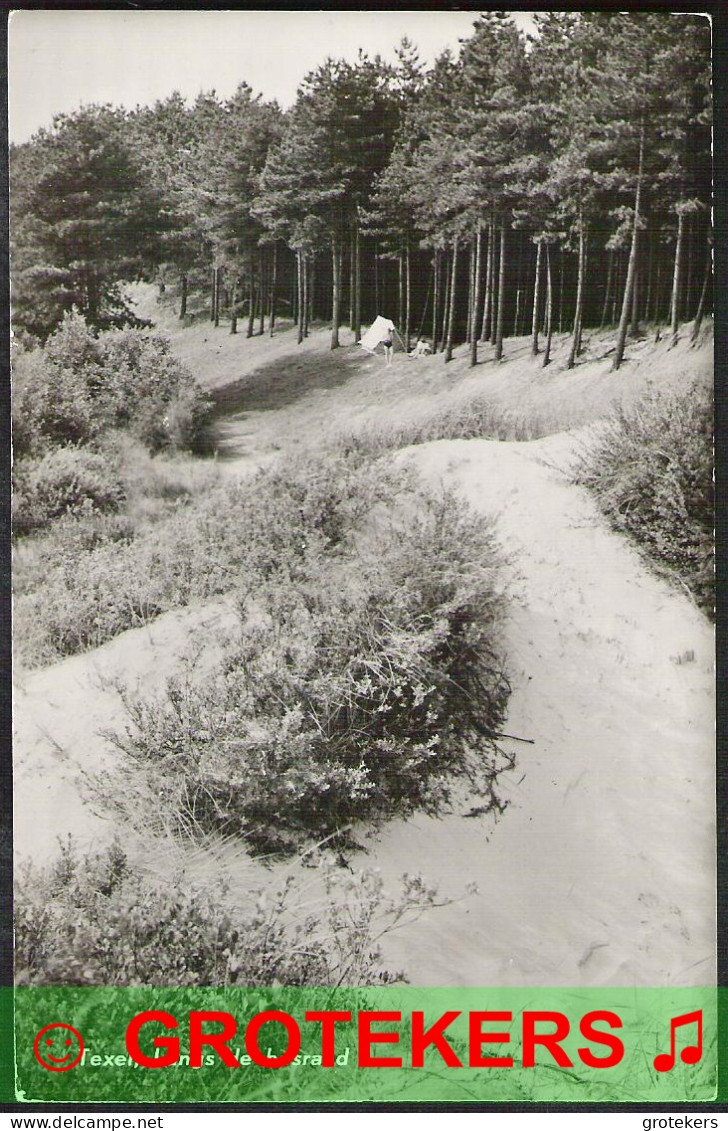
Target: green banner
[{"x": 386, "y": 1045}]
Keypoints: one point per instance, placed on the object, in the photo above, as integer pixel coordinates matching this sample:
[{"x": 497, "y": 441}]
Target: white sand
[{"x": 59, "y": 715}]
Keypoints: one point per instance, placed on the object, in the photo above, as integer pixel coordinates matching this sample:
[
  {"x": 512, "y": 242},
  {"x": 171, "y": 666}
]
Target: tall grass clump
[
  {"x": 477, "y": 418},
  {"x": 94, "y": 919},
  {"x": 365, "y": 681},
  {"x": 650, "y": 469}
]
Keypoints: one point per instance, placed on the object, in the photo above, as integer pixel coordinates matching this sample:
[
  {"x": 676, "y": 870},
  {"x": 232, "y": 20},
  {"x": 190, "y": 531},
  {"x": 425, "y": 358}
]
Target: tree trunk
[
  {"x": 631, "y": 265},
  {"x": 689, "y": 261},
  {"x": 501, "y": 293},
  {"x": 251, "y": 299},
  {"x": 549, "y": 309},
  {"x": 376, "y": 277},
  {"x": 408, "y": 298},
  {"x": 357, "y": 285},
  {"x": 704, "y": 293},
  {"x": 352, "y": 276},
  {"x": 617, "y": 284},
  {"x": 258, "y": 295},
  {"x": 213, "y": 295},
  {"x": 656, "y": 300},
  {"x": 494, "y": 295},
  {"x": 476, "y": 298},
  {"x": 634, "y": 327},
  {"x": 446, "y": 304},
  {"x": 648, "y": 271},
  {"x": 234, "y": 305},
  {"x": 262, "y": 288},
  {"x": 335, "y": 293},
  {"x": 436, "y": 298},
  {"x": 218, "y": 288},
  {"x": 273, "y": 284},
  {"x": 305, "y": 294},
  {"x": 183, "y": 298},
  {"x": 580, "y": 329},
  {"x": 576, "y": 329},
  {"x": 605, "y": 305},
  {"x": 312, "y": 292},
  {"x": 300, "y": 314},
  {"x": 471, "y": 288},
  {"x": 400, "y": 289},
  {"x": 490, "y": 314},
  {"x": 677, "y": 279},
  {"x": 485, "y": 328},
  {"x": 519, "y": 261},
  {"x": 451, "y": 308},
  {"x": 536, "y": 300}
]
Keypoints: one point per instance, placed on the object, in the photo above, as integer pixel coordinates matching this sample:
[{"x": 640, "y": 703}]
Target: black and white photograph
[{"x": 362, "y": 498}]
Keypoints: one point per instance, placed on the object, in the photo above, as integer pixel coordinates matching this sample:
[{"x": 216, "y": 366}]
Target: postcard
[{"x": 363, "y": 559}]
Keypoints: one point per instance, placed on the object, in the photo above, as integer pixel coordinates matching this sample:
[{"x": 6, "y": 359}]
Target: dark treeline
[{"x": 520, "y": 188}]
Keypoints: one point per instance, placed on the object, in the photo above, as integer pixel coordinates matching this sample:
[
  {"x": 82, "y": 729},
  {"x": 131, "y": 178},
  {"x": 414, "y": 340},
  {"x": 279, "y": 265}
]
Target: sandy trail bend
[{"x": 602, "y": 869}]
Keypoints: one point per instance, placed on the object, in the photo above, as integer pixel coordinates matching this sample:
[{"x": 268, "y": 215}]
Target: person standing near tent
[{"x": 381, "y": 330}]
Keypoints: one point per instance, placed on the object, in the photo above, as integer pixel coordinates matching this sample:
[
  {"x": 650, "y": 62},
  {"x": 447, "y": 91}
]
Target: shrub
[
  {"x": 50, "y": 406},
  {"x": 64, "y": 481},
  {"x": 80, "y": 386},
  {"x": 149, "y": 392},
  {"x": 363, "y": 684},
  {"x": 93, "y": 919},
  {"x": 650, "y": 469},
  {"x": 236, "y": 533}
]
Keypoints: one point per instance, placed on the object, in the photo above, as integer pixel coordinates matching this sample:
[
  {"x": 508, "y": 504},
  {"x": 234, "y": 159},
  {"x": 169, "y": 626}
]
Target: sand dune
[{"x": 602, "y": 869}]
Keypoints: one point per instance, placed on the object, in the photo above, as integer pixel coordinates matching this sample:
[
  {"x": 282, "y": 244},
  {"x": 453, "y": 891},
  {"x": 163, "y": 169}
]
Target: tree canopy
[{"x": 576, "y": 164}]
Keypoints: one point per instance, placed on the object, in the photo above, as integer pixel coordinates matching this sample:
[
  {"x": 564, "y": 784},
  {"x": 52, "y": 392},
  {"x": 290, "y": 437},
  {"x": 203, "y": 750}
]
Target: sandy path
[{"x": 602, "y": 869}]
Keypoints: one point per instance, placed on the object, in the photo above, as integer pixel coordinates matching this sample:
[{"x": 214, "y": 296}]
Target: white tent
[{"x": 380, "y": 329}]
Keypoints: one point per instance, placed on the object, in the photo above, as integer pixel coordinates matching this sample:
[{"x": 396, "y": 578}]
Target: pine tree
[{"x": 85, "y": 219}]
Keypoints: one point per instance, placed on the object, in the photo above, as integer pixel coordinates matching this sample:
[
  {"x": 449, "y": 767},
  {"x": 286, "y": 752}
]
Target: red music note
[{"x": 691, "y": 1054}]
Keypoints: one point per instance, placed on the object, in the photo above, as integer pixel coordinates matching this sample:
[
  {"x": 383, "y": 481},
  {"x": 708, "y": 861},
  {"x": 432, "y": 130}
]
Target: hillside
[
  {"x": 602, "y": 868},
  {"x": 272, "y": 394}
]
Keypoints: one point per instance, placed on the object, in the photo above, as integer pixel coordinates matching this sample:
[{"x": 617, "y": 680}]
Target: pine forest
[{"x": 530, "y": 185}]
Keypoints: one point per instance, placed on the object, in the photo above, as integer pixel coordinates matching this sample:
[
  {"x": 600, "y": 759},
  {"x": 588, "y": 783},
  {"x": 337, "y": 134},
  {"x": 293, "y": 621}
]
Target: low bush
[
  {"x": 65, "y": 481},
  {"x": 650, "y": 469},
  {"x": 364, "y": 683},
  {"x": 78, "y": 387},
  {"x": 75, "y": 596},
  {"x": 94, "y": 920},
  {"x": 50, "y": 406}
]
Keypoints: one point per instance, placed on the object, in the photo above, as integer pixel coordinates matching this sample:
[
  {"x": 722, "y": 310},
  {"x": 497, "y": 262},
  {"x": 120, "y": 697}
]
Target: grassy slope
[{"x": 274, "y": 395}]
